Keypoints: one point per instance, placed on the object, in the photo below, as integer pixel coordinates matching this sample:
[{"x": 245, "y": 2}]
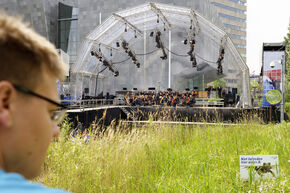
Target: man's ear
[{"x": 7, "y": 92}]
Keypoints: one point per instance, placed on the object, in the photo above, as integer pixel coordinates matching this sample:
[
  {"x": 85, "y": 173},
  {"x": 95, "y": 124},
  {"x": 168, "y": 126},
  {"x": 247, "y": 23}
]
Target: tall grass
[{"x": 165, "y": 158}]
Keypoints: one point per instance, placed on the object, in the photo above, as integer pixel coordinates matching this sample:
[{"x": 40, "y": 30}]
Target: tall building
[{"x": 233, "y": 14}]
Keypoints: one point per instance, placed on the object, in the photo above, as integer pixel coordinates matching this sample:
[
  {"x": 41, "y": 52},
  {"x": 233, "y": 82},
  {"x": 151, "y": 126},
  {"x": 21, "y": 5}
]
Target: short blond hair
[{"x": 24, "y": 54}]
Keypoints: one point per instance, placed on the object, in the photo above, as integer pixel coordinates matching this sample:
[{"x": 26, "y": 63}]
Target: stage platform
[{"x": 104, "y": 115}]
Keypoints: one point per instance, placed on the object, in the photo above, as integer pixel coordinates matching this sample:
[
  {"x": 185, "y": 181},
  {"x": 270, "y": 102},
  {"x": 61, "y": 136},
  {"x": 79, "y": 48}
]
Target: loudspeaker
[
  {"x": 234, "y": 91},
  {"x": 124, "y": 88},
  {"x": 151, "y": 88},
  {"x": 86, "y": 90}
]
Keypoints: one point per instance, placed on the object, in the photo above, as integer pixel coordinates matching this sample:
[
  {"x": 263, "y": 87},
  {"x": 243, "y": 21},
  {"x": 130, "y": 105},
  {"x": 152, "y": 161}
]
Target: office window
[
  {"x": 234, "y": 27},
  {"x": 68, "y": 30},
  {"x": 237, "y": 37},
  {"x": 240, "y": 46},
  {"x": 238, "y": 1},
  {"x": 231, "y": 17},
  {"x": 229, "y": 8}
]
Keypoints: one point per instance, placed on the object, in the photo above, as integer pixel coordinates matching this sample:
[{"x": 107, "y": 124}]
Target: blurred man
[{"x": 29, "y": 69}]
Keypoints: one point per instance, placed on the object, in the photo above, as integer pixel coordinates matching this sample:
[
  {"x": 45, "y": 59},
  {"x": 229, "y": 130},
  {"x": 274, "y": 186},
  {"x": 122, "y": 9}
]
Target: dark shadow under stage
[{"x": 106, "y": 114}]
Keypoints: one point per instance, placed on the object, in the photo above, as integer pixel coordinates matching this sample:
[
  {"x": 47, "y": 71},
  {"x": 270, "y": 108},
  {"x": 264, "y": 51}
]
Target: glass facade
[
  {"x": 68, "y": 30},
  {"x": 238, "y": 1},
  {"x": 234, "y": 36},
  {"x": 240, "y": 46},
  {"x": 229, "y": 8},
  {"x": 232, "y": 17},
  {"x": 235, "y": 27}
]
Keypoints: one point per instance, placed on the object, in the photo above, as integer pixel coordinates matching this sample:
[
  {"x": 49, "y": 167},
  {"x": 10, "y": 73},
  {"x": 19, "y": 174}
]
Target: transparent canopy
[{"x": 138, "y": 27}]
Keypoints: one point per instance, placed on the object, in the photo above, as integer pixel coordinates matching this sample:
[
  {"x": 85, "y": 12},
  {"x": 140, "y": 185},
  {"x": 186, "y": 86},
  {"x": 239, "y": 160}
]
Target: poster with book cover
[{"x": 259, "y": 166}]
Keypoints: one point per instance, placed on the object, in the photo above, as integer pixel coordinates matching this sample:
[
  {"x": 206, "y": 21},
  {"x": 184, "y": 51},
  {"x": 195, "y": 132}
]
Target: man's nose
[{"x": 55, "y": 130}]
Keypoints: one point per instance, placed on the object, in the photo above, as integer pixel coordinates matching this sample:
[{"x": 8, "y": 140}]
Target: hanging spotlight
[
  {"x": 191, "y": 43},
  {"x": 157, "y": 39},
  {"x": 117, "y": 44},
  {"x": 126, "y": 27},
  {"x": 99, "y": 47},
  {"x": 219, "y": 61},
  {"x": 193, "y": 59},
  {"x": 96, "y": 55},
  {"x": 151, "y": 34},
  {"x": 124, "y": 46},
  {"x": 164, "y": 29},
  {"x": 135, "y": 35},
  {"x": 111, "y": 54},
  {"x": 185, "y": 41},
  {"x": 109, "y": 65},
  {"x": 190, "y": 24},
  {"x": 157, "y": 18}
]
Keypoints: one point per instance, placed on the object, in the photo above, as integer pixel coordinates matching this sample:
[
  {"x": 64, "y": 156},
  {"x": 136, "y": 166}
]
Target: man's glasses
[{"x": 57, "y": 115}]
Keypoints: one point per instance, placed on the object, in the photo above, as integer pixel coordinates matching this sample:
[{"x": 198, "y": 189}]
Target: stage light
[
  {"x": 190, "y": 24},
  {"x": 164, "y": 29},
  {"x": 111, "y": 54},
  {"x": 135, "y": 35},
  {"x": 116, "y": 73},
  {"x": 107, "y": 64},
  {"x": 124, "y": 46},
  {"x": 194, "y": 63},
  {"x": 151, "y": 34},
  {"x": 126, "y": 27},
  {"x": 219, "y": 61},
  {"x": 117, "y": 44},
  {"x": 96, "y": 55},
  {"x": 157, "y": 39},
  {"x": 138, "y": 65},
  {"x": 99, "y": 47},
  {"x": 185, "y": 41},
  {"x": 157, "y": 18}
]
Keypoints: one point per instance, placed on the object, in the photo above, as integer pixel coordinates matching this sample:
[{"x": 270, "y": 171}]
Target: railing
[{"x": 91, "y": 103}]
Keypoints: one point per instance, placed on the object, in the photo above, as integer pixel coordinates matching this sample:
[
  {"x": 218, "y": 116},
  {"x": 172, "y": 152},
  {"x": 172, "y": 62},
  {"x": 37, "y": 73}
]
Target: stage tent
[{"x": 138, "y": 27}]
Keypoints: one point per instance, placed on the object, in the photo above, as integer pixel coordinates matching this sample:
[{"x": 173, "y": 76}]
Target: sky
[{"x": 267, "y": 21}]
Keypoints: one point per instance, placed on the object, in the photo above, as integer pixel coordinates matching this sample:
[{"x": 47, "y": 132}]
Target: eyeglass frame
[{"x": 27, "y": 91}]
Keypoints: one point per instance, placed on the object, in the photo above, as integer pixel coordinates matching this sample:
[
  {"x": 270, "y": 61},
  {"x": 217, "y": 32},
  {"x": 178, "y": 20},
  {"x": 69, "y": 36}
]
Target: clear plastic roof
[{"x": 134, "y": 26}]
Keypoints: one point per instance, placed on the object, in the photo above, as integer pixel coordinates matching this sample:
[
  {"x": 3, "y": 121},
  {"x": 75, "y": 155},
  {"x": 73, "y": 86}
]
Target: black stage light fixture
[
  {"x": 157, "y": 39},
  {"x": 117, "y": 44},
  {"x": 124, "y": 46},
  {"x": 194, "y": 63},
  {"x": 135, "y": 35},
  {"x": 219, "y": 61},
  {"x": 185, "y": 41},
  {"x": 151, "y": 34},
  {"x": 126, "y": 27},
  {"x": 190, "y": 24},
  {"x": 96, "y": 55},
  {"x": 157, "y": 18},
  {"x": 111, "y": 54},
  {"x": 116, "y": 73},
  {"x": 138, "y": 65}
]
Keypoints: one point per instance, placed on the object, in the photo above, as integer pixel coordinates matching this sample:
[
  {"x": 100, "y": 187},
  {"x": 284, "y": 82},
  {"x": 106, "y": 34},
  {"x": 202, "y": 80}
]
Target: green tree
[
  {"x": 287, "y": 86},
  {"x": 219, "y": 82}
]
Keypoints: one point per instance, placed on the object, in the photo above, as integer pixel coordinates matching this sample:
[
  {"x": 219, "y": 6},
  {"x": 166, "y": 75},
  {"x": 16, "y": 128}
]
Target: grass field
[{"x": 164, "y": 158}]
